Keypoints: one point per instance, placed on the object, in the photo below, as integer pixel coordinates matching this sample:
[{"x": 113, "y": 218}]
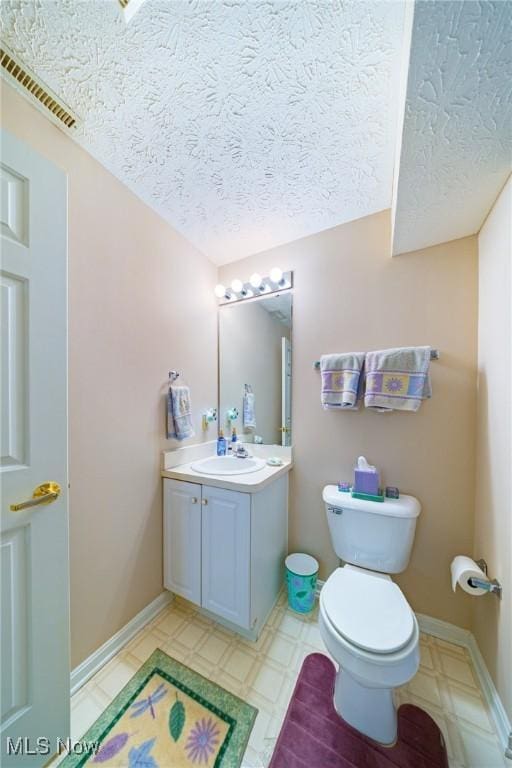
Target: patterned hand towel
[
  {"x": 397, "y": 379},
  {"x": 179, "y": 413},
  {"x": 341, "y": 380},
  {"x": 249, "y": 415}
]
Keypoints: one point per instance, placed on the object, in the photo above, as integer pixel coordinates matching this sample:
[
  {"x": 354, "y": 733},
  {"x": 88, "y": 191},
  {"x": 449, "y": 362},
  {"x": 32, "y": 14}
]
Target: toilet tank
[{"x": 374, "y": 535}]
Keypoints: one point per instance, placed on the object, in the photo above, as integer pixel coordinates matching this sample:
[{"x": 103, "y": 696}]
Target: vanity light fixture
[
  {"x": 238, "y": 287},
  {"x": 276, "y": 277},
  {"x": 256, "y": 286},
  {"x": 221, "y": 292},
  {"x": 257, "y": 282}
]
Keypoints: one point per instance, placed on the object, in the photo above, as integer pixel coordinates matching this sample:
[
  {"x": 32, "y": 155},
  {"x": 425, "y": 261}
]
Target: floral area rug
[{"x": 168, "y": 716}]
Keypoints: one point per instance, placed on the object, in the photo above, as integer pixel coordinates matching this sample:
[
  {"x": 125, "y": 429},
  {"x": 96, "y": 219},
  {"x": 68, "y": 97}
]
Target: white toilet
[{"x": 366, "y": 623}]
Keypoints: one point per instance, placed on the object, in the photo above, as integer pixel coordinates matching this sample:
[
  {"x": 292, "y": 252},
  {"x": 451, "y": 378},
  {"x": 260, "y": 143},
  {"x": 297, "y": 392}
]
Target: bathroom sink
[{"x": 227, "y": 465}]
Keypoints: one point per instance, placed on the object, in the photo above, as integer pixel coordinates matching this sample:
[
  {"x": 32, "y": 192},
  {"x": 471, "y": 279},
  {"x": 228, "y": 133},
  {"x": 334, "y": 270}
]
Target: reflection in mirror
[{"x": 255, "y": 369}]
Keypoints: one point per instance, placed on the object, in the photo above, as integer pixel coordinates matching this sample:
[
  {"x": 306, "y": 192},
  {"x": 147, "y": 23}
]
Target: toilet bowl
[{"x": 372, "y": 634}]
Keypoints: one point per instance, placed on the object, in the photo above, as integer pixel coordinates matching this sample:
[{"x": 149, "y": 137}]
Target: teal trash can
[{"x": 301, "y": 576}]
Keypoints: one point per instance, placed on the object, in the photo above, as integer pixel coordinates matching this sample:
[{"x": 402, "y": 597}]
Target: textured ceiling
[
  {"x": 457, "y": 138},
  {"x": 245, "y": 124}
]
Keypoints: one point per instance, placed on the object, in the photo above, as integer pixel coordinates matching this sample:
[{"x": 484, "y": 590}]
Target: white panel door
[
  {"x": 182, "y": 539},
  {"x": 227, "y": 554},
  {"x": 34, "y": 539}
]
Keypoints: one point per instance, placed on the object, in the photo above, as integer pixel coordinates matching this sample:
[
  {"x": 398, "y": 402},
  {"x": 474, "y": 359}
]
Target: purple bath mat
[{"x": 314, "y": 735}]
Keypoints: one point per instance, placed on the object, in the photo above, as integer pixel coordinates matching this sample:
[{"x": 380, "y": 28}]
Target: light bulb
[
  {"x": 237, "y": 286},
  {"x": 276, "y": 275},
  {"x": 220, "y": 291},
  {"x": 255, "y": 280}
]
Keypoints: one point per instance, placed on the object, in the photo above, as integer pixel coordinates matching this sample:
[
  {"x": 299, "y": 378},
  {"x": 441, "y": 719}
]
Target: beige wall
[
  {"x": 140, "y": 303},
  {"x": 350, "y": 295},
  {"x": 493, "y": 526},
  {"x": 250, "y": 353}
]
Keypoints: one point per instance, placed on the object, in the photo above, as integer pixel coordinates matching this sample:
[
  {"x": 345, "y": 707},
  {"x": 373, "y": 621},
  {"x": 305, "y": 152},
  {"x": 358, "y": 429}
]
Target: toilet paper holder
[{"x": 493, "y": 587}]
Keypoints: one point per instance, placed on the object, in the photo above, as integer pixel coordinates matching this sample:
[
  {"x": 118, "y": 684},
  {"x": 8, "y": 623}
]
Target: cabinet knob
[
  {"x": 194, "y": 499},
  {"x": 204, "y": 502}
]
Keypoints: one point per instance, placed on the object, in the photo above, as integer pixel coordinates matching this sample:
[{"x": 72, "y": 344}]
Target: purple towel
[
  {"x": 341, "y": 380},
  {"x": 397, "y": 379}
]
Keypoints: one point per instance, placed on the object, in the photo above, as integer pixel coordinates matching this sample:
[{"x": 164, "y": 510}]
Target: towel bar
[{"x": 434, "y": 355}]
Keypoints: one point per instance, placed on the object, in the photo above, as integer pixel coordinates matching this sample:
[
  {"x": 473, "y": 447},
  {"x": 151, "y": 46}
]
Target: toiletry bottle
[
  {"x": 221, "y": 444},
  {"x": 234, "y": 438}
]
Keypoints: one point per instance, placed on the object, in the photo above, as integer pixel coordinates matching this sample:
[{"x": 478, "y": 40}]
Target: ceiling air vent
[
  {"x": 130, "y": 8},
  {"x": 27, "y": 83}
]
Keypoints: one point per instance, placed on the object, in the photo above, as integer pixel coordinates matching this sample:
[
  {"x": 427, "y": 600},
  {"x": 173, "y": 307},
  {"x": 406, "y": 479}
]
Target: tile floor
[{"x": 264, "y": 674}]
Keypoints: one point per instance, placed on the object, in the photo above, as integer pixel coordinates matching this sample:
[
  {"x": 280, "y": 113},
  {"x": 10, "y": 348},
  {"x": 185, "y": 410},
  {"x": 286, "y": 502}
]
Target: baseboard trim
[
  {"x": 500, "y": 717},
  {"x": 94, "y": 662},
  {"x": 443, "y": 630},
  {"x": 450, "y": 633}
]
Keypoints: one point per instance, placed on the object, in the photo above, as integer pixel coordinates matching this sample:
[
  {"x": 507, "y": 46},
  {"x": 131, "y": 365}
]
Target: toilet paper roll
[{"x": 463, "y": 569}]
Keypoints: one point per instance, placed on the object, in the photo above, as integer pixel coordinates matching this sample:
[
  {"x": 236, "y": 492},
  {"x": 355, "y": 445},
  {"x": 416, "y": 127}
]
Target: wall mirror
[{"x": 255, "y": 369}]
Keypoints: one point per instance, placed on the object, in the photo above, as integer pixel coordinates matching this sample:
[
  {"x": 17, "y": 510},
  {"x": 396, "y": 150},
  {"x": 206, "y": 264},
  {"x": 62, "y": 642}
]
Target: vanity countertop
[
  {"x": 248, "y": 483},
  {"x": 251, "y": 482}
]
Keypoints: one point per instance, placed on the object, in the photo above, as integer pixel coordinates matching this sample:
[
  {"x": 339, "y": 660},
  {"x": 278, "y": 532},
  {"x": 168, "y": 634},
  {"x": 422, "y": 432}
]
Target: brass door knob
[{"x": 43, "y": 494}]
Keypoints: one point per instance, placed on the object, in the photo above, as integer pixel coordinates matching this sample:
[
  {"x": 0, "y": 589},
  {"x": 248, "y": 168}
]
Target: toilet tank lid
[{"x": 405, "y": 506}]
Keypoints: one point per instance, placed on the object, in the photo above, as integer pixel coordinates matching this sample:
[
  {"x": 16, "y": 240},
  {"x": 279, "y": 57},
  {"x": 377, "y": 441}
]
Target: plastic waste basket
[{"x": 301, "y": 577}]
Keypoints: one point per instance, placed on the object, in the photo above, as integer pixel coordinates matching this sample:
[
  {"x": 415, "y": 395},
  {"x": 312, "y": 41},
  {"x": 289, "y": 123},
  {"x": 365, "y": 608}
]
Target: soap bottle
[
  {"x": 234, "y": 438},
  {"x": 221, "y": 444}
]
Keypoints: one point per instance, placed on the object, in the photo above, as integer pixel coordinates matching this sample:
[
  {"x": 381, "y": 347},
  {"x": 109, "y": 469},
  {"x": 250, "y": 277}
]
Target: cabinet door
[
  {"x": 226, "y": 554},
  {"x": 182, "y": 539}
]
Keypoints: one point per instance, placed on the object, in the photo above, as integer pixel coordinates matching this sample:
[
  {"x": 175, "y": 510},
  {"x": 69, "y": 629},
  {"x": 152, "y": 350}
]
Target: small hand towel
[
  {"x": 248, "y": 412},
  {"x": 179, "y": 413},
  {"x": 341, "y": 380},
  {"x": 397, "y": 379}
]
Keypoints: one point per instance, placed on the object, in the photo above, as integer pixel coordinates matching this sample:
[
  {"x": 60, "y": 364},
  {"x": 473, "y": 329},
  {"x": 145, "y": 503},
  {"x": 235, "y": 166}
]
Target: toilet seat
[{"x": 368, "y": 610}]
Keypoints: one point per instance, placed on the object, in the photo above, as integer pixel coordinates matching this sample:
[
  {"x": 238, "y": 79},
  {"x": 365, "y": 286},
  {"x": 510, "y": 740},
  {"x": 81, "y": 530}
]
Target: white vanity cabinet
[
  {"x": 182, "y": 539},
  {"x": 226, "y": 554},
  {"x": 224, "y": 549}
]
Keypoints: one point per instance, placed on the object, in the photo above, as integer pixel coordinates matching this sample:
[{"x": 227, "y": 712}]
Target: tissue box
[{"x": 366, "y": 482}]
